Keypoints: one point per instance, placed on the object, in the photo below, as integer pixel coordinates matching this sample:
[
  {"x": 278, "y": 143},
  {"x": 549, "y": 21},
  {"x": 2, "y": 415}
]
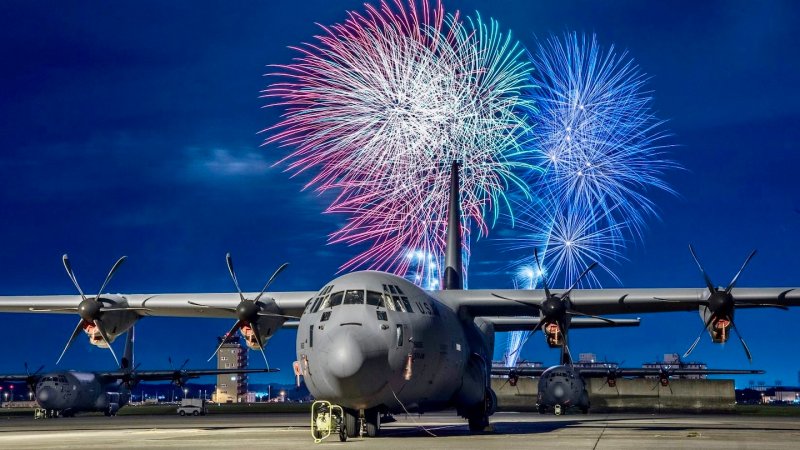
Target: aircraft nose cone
[
  {"x": 45, "y": 395},
  {"x": 345, "y": 356},
  {"x": 559, "y": 391}
]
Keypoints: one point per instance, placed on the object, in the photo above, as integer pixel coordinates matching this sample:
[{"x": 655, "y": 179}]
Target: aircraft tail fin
[
  {"x": 453, "y": 266},
  {"x": 127, "y": 358}
]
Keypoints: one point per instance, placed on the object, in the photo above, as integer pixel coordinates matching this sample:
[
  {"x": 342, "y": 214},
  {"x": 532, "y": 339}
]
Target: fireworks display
[
  {"x": 600, "y": 147},
  {"x": 381, "y": 104},
  {"x": 377, "y": 107}
]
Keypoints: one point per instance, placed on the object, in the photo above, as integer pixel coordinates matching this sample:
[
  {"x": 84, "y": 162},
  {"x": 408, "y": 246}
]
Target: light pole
[{"x": 185, "y": 392}]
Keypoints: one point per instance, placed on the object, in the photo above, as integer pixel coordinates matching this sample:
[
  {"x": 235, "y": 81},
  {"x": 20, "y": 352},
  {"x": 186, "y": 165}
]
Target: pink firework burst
[{"x": 378, "y": 107}]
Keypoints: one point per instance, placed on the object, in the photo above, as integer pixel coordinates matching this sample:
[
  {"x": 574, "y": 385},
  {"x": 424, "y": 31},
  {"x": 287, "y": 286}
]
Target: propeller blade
[
  {"x": 254, "y": 326},
  {"x": 541, "y": 272},
  {"x": 269, "y": 282},
  {"x": 580, "y": 314},
  {"x": 184, "y": 364},
  {"x": 709, "y": 284},
  {"x": 578, "y": 280},
  {"x": 53, "y": 309},
  {"x": 696, "y": 341},
  {"x": 532, "y": 305},
  {"x": 111, "y": 274},
  {"x": 212, "y": 307},
  {"x": 71, "y": 338},
  {"x": 229, "y": 333},
  {"x": 71, "y": 274},
  {"x": 229, "y": 260},
  {"x": 99, "y": 324},
  {"x": 741, "y": 339},
  {"x": 278, "y": 315},
  {"x": 736, "y": 278}
]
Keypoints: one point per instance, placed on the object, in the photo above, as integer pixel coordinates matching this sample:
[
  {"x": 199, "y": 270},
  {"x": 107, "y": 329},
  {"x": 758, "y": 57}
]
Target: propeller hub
[
  {"x": 554, "y": 308},
  {"x": 89, "y": 309},
  {"x": 248, "y": 311},
  {"x": 720, "y": 303}
]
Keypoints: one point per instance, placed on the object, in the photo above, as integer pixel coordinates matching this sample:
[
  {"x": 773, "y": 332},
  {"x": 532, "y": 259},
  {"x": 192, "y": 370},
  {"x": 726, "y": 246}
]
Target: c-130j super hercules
[{"x": 373, "y": 342}]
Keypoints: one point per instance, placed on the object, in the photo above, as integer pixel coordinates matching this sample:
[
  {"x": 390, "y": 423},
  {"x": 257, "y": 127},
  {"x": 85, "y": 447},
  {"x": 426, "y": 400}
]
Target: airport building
[{"x": 232, "y": 355}]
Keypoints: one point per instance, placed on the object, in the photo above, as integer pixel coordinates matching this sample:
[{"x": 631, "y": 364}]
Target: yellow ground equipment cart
[{"x": 327, "y": 419}]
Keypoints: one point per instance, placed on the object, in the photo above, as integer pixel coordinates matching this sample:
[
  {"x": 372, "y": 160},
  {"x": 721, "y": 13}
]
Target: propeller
[
  {"x": 247, "y": 311},
  {"x": 32, "y": 378},
  {"x": 90, "y": 309},
  {"x": 554, "y": 307},
  {"x": 721, "y": 303},
  {"x": 177, "y": 375}
]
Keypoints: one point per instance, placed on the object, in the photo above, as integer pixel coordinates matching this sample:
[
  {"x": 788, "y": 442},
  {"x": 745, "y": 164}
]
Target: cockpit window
[
  {"x": 354, "y": 297},
  {"x": 395, "y": 297},
  {"x": 375, "y": 299},
  {"x": 334, "y": 300},
  {"x": 317, "y": 302}
]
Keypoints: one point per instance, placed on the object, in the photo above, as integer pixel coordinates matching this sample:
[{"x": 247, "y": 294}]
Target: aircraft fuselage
[
  {"x": 72, "y": 392},
  {"x": 374, "y": 340}
]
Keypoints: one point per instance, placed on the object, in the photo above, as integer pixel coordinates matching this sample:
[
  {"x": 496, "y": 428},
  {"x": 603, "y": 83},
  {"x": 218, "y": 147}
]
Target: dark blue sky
[{"x": 130, "y": 128}]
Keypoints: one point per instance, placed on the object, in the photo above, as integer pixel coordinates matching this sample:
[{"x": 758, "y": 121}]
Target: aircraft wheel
[
  {"x": 542, "y": 410},
  {"x": 373, "y": 419},
  {"x": 342, "y": 434},
  {"x": 351, "y": 422}
]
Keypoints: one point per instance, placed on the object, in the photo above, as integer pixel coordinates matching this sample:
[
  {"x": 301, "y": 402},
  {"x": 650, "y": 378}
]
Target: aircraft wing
[
  {"x": 171, "y": 305},
  {"x": 599, "y": 372},
  {"x": 484, "y": 302},
  {"x": 16, "y": 377},
  {"x": 602, "y": 372},
  {"x": 159, "y": 375},
  {"x": 529, "y": 323}
]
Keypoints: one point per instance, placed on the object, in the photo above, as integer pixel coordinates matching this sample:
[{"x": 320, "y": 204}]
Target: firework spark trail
[
  {"x": 600, "y": 142},
  {"x": 601, "y": 149},
  {"x": 381, "y": 104}
]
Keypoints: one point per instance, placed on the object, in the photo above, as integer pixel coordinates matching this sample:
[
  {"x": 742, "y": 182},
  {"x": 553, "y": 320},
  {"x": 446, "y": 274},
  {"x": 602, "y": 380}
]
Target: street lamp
[{"x": 185, "y": 392}]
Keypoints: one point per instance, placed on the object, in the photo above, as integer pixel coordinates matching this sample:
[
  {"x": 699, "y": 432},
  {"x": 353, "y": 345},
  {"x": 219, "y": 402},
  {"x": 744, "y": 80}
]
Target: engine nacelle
[
  {"x": 114, "y": 322},
  {"x": 267, "y": 325},
  {"x": 553, "y": 334},
  {"x": 720, "y": 330}
]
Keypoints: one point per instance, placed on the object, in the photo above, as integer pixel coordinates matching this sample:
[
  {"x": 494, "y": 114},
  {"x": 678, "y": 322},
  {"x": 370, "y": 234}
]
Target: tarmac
[{"x": 436, "y": 431}]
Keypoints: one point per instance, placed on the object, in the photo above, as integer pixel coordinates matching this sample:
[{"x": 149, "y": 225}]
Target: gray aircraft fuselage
[
  {"x": 375, "y": 340},
  {"x": 73, "y": 392},
  {"x": 564, "y": 387}
]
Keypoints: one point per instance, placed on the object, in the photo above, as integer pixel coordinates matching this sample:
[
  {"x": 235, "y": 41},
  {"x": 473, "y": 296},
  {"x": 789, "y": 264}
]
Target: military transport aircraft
[
  {"x": 65, "y": 393},
  {"x": 374, "y": 342}
]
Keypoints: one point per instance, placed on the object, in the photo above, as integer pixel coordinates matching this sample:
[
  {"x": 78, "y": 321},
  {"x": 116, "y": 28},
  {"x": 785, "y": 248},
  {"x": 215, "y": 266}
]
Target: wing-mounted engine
[
  {"x": 257, "y": 319},
  {"x": 555, "y": 311},
  {"x": 102, "y": 317},
  {"x": 718, "y": 308},
  {"x": 719, "y": 325}
]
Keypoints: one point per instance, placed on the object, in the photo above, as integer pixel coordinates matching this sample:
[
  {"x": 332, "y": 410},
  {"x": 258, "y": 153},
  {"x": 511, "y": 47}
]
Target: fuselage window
[
  {"x": 375, "y": 299},
  {"x": 325, "y": 316},
  {"x": 335, "y": 299},
  {"x": 354, "y": 297},
  {"x": 399, "y": 335},
  {"x": 398, "y": 304}
]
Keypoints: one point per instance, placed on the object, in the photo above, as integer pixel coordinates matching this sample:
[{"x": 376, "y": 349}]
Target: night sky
[{"x": 131, "y": 128}]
